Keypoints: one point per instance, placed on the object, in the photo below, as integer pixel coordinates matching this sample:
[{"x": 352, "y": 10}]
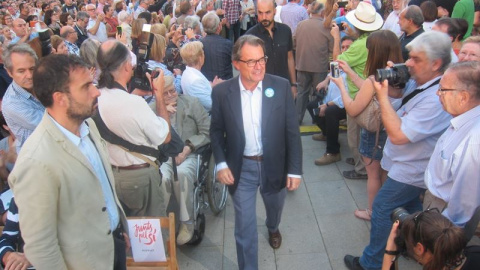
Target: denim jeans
[{"x": 393, "y": 194}]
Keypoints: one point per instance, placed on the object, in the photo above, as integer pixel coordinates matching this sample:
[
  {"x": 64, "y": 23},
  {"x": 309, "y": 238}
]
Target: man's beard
[
  {"x": 266, "y": 23},
  {"x": 78, "y": 112}
]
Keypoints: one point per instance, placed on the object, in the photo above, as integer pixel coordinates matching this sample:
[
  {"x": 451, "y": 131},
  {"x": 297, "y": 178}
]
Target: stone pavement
[{"x": 318, "y": 225}]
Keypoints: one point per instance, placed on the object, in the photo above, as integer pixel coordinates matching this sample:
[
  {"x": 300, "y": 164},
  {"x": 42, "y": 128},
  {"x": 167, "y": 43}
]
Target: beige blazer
[
  {"x": 61, "y": 205},
  {"x": 192, "y": 121}
]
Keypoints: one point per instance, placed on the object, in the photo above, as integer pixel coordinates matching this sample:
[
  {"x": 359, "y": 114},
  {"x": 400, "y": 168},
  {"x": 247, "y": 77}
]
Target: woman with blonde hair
[
  {"x": 194, "y": 83},
  {"x": 157, "y": 54},
  {"x": 137, "y": 35},
  {"x": 159, "y": 28}
]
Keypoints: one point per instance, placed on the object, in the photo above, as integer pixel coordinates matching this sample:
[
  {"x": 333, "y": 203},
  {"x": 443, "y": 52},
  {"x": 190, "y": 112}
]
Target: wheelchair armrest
[{"x": 203, "y": 150}]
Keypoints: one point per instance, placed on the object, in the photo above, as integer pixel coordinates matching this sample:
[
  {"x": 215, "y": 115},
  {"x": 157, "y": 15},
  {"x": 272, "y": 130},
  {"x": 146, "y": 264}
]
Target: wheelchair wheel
[
  {"x": 199, "y": 230},
  {"x": 217, "y": 192}
]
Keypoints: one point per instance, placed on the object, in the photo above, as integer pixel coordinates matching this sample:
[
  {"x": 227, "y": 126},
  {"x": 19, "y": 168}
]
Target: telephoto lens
[
  {"x": 399, "y": 214},
  {"x": 397, "y": 75}
]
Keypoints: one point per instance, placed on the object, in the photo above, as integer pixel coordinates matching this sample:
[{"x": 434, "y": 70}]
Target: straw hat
[{"x": 365, "y": 17}]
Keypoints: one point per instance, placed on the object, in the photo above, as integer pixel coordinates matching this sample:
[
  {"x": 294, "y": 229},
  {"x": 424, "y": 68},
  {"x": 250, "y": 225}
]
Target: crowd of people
[{"x": 104, "y": 104}]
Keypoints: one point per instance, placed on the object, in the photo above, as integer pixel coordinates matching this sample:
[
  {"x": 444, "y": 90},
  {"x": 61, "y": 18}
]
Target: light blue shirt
[
  {"x": 423, "y": 121},
  {"x": 16, "y": 39},
  {"x": 22, "y": 111},
  {"x": 195, "y": 84},
  {"x": 88, "y": 149},
  {"x": 333, "y": 93},
  {"x": 292, "y": 14},
  {"x": 452, "y": 173},
  {"x": 177, "y": 82}
]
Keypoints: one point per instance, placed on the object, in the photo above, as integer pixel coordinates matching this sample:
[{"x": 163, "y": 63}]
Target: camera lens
[
  {"x": 383, "y": 74},
  {"x": 399, "y": 214}
]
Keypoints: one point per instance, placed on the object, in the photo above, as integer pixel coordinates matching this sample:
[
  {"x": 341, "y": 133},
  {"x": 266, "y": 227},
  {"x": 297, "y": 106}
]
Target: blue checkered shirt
[
  {"x": 72, "y": 48},
  {"x": 22, "y": 111}
]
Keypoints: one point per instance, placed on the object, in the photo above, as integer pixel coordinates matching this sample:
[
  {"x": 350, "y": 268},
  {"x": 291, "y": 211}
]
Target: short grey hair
[
  {"x": 191, "y": 22},
  {"x": 21, "y": 48},
  {"x": 88, "y": 52},
  {"x": 436, "y": 45},
  {"x": 210, "y": 22},
  {"x": 468, "y": 76},
  {"x": 317, "y": 7},
  {"x": 246, "y": 39},
  {"x": 415, "y": 14},
  {"x": 122, "y": 16},
  {"x": 82, "y": 15}
]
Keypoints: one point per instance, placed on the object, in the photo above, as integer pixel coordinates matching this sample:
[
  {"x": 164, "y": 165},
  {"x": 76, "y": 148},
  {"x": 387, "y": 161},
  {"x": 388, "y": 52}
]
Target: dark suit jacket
[
  {"x": 282, "y": 148},
  {"x": 218, "y": 57}
]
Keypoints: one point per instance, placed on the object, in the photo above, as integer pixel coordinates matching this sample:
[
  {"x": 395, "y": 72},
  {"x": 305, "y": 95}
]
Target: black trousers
[
  {"x": 120, "y": 257},
  {"x": 329, "y": 124}
]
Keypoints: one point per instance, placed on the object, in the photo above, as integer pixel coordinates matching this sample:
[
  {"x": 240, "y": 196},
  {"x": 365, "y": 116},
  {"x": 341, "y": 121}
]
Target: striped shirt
[
  {"x": 11, "y": 238},
  {"x": 22, "y": 111}
]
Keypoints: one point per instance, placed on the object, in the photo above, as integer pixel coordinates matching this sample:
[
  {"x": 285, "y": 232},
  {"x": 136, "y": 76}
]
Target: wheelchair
[{"x": 207, "y": 193}]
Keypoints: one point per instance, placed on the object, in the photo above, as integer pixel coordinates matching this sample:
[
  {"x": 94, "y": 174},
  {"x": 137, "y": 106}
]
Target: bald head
[
  {"x": 113, "y": 58},
  {"x": 69, "y": 34},
  {"x": 266, "y": 3}
]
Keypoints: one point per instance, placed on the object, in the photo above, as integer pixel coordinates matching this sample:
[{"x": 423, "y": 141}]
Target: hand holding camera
[{"x": 158, "y": 83}]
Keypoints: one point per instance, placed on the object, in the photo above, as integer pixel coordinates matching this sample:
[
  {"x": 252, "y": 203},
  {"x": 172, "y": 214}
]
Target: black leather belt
[
  {"x": 257, "y": 158},
  {"x": 132, "y": 167}
]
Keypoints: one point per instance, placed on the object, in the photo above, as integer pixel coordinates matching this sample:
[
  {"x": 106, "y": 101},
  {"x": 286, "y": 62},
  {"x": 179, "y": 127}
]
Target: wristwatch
[{"x": 294, "y": 84}]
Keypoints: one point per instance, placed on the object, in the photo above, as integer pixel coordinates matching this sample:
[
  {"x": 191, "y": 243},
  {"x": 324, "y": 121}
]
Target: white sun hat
[{"x": 365, "y": 17}]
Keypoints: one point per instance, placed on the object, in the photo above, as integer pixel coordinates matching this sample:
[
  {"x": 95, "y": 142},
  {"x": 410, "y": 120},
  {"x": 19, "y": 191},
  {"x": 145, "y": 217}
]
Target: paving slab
[{"x": 318, "y": 225}]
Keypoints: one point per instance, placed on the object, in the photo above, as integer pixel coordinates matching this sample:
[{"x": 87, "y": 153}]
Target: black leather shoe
[
  {"x": 275, "y": 239},
  {"x": 352, "y": 263}
]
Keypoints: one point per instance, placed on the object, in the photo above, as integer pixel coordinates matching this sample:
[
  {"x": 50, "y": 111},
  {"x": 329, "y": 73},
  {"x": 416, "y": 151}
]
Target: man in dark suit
[
  {"x": 256, "y": 143},
  {"x": 218, "y": 50}
]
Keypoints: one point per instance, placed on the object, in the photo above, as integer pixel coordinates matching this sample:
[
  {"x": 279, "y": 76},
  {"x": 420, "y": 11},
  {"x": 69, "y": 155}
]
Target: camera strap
[
  {"x": 113, "y": 138},
  {"x": 417, "y": 91}
]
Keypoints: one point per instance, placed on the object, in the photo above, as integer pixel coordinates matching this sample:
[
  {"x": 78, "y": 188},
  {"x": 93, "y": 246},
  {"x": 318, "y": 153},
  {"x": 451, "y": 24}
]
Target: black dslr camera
[
  {"x": 46, "y": 45},
  {"x": 400, "y": 214},
  {"x": 397, "y": 76},
  {"x": 139, "y": 79}
]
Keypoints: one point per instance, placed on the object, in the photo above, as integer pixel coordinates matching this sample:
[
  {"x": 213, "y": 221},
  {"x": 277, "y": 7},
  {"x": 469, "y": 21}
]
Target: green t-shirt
[
  {"x": 465, "y": 9},
  {"x": 356, "y": 58}
]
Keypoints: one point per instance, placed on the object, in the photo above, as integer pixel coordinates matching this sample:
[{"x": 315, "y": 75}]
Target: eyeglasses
[
  {"x": 251, "y": 63},
  {"x": 441, "y": 90}
]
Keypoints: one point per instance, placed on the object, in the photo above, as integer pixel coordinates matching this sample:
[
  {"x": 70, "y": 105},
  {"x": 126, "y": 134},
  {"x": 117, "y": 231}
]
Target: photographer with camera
[
  {"x": 413, "y": 131},
  {"x": 327, "y": 111},
  {"x": 364, "y": 20},
  {"x": 137, "y": 177},
  {"x": 382, "y": 45},
  {"x": 430, "y": 239}
]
